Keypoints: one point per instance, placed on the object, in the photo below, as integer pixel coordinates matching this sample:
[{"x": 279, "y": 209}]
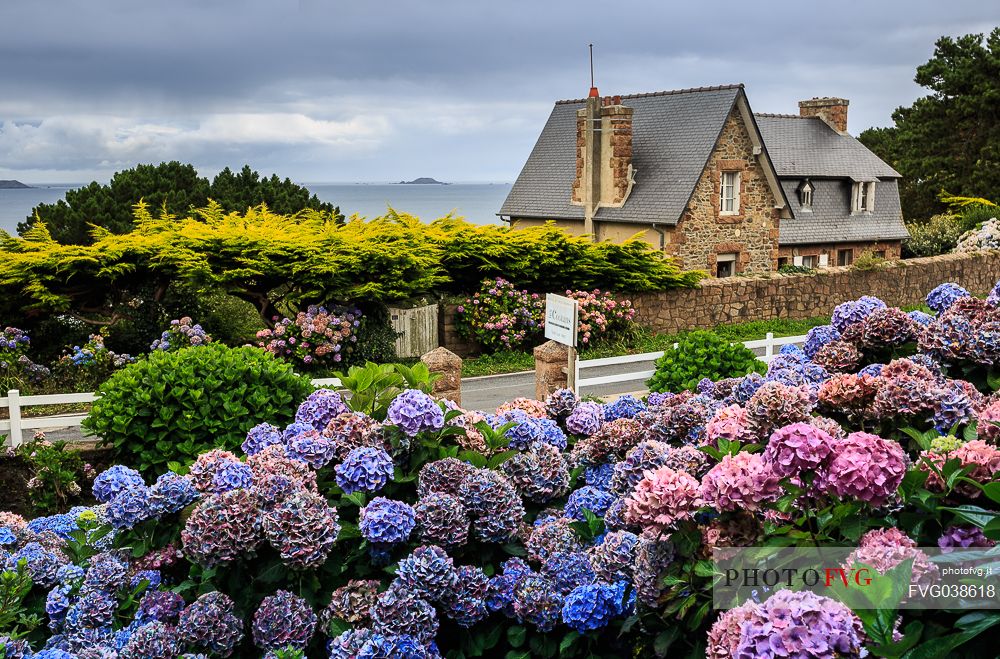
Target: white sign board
[{"x": 561, "y": 319}]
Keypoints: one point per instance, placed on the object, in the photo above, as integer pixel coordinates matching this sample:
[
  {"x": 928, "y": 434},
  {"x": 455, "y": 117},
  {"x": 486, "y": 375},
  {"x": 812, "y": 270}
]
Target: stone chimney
[
  {"x": 604, "y": 173},
  {"x": 831, "y": 110}
]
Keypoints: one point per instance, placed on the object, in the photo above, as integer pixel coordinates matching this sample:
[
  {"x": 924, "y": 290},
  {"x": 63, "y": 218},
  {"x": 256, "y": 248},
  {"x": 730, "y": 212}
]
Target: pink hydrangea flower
[
  {"x": 865, "y": 467},
  {"x": 740, "y": 482},
  {"x": 797, "y": 448},
  {"x": 662, "y": 497},
  {"x": 729, "y": 423}
]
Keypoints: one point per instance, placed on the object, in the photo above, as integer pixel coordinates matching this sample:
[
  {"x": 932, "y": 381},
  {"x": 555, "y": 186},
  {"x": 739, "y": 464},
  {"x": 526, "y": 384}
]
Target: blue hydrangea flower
[
  {"x": 260, "y": 437},
  {"x": 873, "y": 370},
  {"x": 397, "y": 647},
  {"x": 747, "y": 386},
  {"x": 42, "y": 564},
  {"x": 57, "y": 602},
  {"x": 293, "y": 429},
  {"x": 348, "y": 645},
  {"x": 525, "y": 433},
  {"x": 428, "y": 571},
  {"x": 114, "y": 480},
  {"x": 365, "y": 469},
  {"x": 7, "y": 536},
  {"x": 153, "y": 579},
  {"x": 591, "y": 498},
  {"x": 625, "y": 407},
  {"x": 552, "y": 433},
  {"x": 231, "y": 475},
  {"x": 568, "y": 569},
  {"x": 70, "y": 574},
  {"x": 171, "y": 493},
  {"x": 385, "y": 521},
  {"x": 819, "y": 336},
  {"x": 847, "y": 313},
  {"x": 129, "y": 507},
  {"x": 599, "y": 476},
  {"x": 62, "y": 525},
  {"x": 945, "y": 295},
  {"x": 922, "y": 318},
  {"x": 593, "y": 606},
  {"x": 414, "y": 411},
  {"x": 312, "y": 448},
  {"x": 106, "y": 572}
]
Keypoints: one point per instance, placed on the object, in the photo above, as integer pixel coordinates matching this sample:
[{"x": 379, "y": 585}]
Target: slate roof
[
  {"x": 830, "y": 219},
  {"x": 807, "y": 146},
  {"x": 672, "y": 136}
]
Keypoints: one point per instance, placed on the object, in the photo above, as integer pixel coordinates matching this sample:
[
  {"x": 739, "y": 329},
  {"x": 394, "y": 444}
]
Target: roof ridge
[
  {"x": 668, "y": 92},
  {"x": 782, "y": 116}
]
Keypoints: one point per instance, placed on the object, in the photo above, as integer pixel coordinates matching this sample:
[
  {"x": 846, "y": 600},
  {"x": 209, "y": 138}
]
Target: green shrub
[
  {"x": 702, "y": 354},
  {"x": 868, "y": 260},
  {"x": 938, "y": 235},
  {"x": 172, "y": 406},
  {"x": 796, "y": 270}
]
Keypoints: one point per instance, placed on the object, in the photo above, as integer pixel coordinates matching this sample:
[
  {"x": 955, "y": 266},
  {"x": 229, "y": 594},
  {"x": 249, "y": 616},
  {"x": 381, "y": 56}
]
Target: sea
[{"x": 476, "y": 202}]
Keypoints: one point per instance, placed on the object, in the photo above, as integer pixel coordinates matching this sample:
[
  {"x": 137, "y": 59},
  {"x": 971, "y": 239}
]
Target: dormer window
[
  {"x": 863, "y": 197},
  {"x": 806, "y": 195}
]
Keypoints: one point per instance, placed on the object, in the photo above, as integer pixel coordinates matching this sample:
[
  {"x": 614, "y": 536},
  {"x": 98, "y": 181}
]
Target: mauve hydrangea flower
[
  {"x": 567, "y": 570},
  {"x": 202, "y": 471},
  {"x": 537, "y": 602},
  {"x": 540, "y": 475},
  {"x": 113, "y": 480},
  {"x": 560, "y": 403},
  {"x": 663, "y": 497},
  {"x": 320, "y": 408},
  {"x": 945, "y": 295},
  {"x": 613, "y": 557},
  {"x": 724, "y": 636},
  {"x": 983, "y": 458},
  {"x": 466, "y": 603},
  {"x": 443, "y": 476},
  {"x": 585, "y": 419},
  {"x": 551, "y": 537},
  {"x": 441, "y": 520},
  {"x": 222, "y": 528},
  {"x": 209, "y": 624},
  {"x": 171, "y": 493},
  {"x": 593, "y": 606},
  {"x": 427, "y": 571},
  {"x": 401, "y": 612},
  {"x": 260, "y": 437},
  {"x": 953, "y": 405},
  {"x": 108, "y": 571},
  {"x": 819, "y": 336},
  {"x": 774, "y": 405},
  {"x": 865, "y": 467},
  {"x": 482, "y": 491},
  {"x": 129, "y": 507},
  {"x": 365, "y": 469},
  {"x": 153, "y": 640},
  {"x": 727, "y": 423},
  {"x": 530, "y": 406},
  {"x": 348, "y": 645},
  {"x": 283, "y": 620},
  {"x": 884, "y": 549},
  {"x": 888, "y": 328},
  {"x": 848, "y": 313},
  {"x": 989, "y": 417},
  {"x": 312, "y": 448},
  {"x": 838, "y": 357},
  {"x": 351, "y": 430},
  {"x": 385, "y": 521},
  {"x": 963, "y": 537},
  {"x": 743, "y": 481},
  {"x": 623, "y": 407},
  {"x": 645, "y": 456},
  {"x": 12, "y": 521},
  {"x": 414, "y": 411},
  {"x": 352, "y": 603},
  {"x": 590, "y": 498},
  {"x": 797, "y": 448},
  {"x": 302, "y": 528},
  {"x": 609, "y": 443},
  {"x": 275, "y": 461},
  {"x": 801, "y": 624},
  {"x": 652, "y": 557}
]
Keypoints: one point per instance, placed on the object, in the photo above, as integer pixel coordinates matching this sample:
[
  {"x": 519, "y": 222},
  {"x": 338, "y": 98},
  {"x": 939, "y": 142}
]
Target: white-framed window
[
  {"x": 729, "y": 193},
  {"x": 845, "y": 257},
  {"x": 806, "y": 195},
  {"x": 725, "y": 264},
  {"x": 805, "y": 261},
  {"x": 863, "y": 197}
]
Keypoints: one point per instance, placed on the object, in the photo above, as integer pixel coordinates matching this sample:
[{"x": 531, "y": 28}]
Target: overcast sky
[{"x": 372, "y": 90}]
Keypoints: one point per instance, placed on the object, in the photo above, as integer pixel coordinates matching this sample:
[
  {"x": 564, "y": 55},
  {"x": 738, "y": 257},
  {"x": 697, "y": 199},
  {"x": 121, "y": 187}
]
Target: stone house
[{"x": 696, "y": 173}]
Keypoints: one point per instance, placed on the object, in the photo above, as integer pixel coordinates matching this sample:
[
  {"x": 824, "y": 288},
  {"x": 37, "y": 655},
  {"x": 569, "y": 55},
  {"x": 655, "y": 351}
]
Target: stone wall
[
  {"x": 703, "y": 232},
  {"x": 744, "y": 299}
]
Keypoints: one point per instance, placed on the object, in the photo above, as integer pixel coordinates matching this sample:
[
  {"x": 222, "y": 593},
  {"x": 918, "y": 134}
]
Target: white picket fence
[
  {"x": 770, "y": 345},
  {"x": 15, "y": 426}
]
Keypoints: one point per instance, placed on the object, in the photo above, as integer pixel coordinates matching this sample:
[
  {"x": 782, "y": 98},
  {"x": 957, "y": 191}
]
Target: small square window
[
  {"x": 845, "y": 257},
  {"x": 880, "y": 253},
  {"x": 729, "y": 193},
  {"x": 725, "y": 264},
  {"x": 810, "y": 261}
]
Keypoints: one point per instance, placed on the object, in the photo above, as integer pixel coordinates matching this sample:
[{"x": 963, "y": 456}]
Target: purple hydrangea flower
[
  {"x": 320, "y": 408},
  {"x": 593, "y": 606},
  {"x": 591, "y": 498},
  {"x": 567, "y": 570},
  {"x": 414, "y": 411},
  {"x": 162, "y": 605},
  {"x": 385, "y": 521},
  {"x": 585, "y": 419},
  {"x": 945, "y": 295},
  {"x": 231, "y": 476},
  {"x": 209, "y": 623},
  {"x": 466, "y": 603},
  {"x": 428, "y": 571},
  {"x": 365, "y": 469},
  {"x": 963, "y": 537},
  {"x": 312, "y": 448},
  {"x": 624, "y": 407},
  {"x": 129, "y": 507},
  {"x": 922, "y": 318},
  {"x": 401, "y": 612},
  {"x": 657, "y": 398},
  {"x": 260, "y": 437},
  {"x": 171, "y": 493},
  {"x": 819, "y": 336}
]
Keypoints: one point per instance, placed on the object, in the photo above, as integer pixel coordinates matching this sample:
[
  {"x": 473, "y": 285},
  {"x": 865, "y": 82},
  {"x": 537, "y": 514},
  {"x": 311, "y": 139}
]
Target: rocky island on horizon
[
  {"x": 11, "y": 184},
  {"x": 423, "y": 180}
]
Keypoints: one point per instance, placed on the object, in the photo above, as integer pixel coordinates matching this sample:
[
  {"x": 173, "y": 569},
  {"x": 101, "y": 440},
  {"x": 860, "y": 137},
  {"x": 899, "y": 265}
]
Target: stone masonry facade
[
  {"x": 703, "y": 232},
  {"x": 890, "y": 249},
  {"x": 744, "y": 299}
]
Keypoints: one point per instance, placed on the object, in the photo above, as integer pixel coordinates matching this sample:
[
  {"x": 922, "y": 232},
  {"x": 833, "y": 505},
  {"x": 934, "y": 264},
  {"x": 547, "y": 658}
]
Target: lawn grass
[{"x": 642, "y": 340}]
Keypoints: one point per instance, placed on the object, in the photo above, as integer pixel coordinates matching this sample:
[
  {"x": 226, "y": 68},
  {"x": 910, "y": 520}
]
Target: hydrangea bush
[
  {"x": 182, "y": 333},
  {"x": 502, "y": 317},
  {"x": 315, "y": 338},
  {"x": 558, "y": 528}
]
